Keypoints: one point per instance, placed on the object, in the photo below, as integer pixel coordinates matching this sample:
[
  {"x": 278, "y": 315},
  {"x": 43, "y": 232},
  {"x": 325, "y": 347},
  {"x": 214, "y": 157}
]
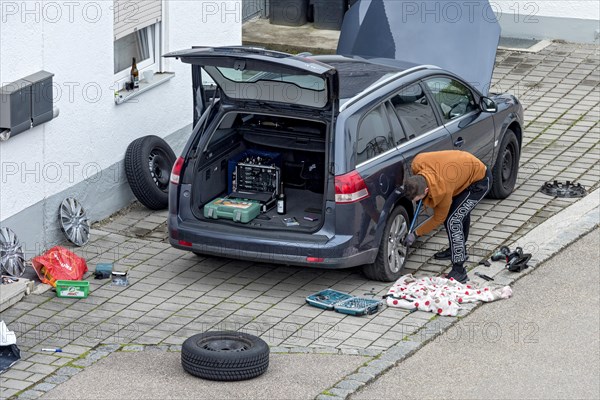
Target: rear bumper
[{"x": 272, "y": 247}]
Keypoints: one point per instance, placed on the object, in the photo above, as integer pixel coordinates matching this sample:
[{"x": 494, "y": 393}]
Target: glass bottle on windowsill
[{"x": 135, "y": 75}]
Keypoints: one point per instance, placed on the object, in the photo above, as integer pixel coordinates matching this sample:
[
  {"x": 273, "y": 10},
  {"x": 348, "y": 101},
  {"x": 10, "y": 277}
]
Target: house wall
[
  {"x": 550, "y": 8},
  {"x": 80, "y": 153},
  {"x": 573, "y": 20}
]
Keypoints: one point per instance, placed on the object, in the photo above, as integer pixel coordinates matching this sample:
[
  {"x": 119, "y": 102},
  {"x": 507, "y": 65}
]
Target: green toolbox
[{"x": 235, "y": 209}]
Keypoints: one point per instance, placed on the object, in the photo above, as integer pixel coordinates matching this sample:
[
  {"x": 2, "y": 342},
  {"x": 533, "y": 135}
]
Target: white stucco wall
[
  {"x": 583, "y": 9},
  {"x": 74, "y": 40},
  {"x": 571, "y": 20}
]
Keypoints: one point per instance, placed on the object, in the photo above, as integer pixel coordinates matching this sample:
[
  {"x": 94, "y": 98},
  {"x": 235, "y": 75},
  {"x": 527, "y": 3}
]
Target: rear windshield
[{"x": 303, "y": 81}]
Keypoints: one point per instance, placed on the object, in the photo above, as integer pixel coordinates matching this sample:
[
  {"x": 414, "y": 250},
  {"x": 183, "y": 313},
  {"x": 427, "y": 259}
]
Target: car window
[
  {"x": 452, "y": 97},
  {"x": 414, "y": 111},
  {"x": 374, "y": 135},
  {"x": 397, "y": 131}
]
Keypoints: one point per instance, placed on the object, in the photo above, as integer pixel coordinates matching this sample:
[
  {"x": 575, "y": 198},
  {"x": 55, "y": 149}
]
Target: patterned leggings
[{"x": 459, "y": 218}]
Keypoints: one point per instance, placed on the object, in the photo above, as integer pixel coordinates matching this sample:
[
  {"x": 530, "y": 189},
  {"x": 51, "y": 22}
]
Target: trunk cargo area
[{"x": 247, "y": 159}]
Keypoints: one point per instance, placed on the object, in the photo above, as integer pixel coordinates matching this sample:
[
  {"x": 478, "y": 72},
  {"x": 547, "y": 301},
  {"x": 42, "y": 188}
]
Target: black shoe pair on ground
[{"x": 459, "y": 273}]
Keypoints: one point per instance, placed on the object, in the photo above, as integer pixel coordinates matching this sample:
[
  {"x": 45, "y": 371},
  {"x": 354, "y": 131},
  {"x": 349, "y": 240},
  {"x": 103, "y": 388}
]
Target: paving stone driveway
[{"x": 174, "y": 294}]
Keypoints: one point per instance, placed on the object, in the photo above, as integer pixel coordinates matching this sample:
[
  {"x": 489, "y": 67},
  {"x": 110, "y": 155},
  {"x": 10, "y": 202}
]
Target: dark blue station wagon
[{"x": 345, "y": 129}]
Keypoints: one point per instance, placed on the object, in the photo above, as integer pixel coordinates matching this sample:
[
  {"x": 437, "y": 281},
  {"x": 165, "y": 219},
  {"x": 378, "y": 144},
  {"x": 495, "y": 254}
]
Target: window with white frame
[{"x": 136, "y": 35}]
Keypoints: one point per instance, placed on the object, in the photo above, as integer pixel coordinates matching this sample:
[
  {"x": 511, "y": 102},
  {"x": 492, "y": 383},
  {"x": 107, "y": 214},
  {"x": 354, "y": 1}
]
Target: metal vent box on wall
[
  {"x": 15, "y": 106},
  {"x": 42, "y": 96}
]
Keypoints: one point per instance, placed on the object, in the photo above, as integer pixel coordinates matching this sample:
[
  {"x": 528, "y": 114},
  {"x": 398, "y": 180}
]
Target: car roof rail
[{"x": 384, "y": 82}]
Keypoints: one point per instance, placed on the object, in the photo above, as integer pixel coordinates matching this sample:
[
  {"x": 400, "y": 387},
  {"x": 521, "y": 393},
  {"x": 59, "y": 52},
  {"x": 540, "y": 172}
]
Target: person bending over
[{"x": 451, "y": 182}]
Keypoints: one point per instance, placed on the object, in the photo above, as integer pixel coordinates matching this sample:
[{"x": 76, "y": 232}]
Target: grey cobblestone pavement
[{"x": 174, "y": 294}]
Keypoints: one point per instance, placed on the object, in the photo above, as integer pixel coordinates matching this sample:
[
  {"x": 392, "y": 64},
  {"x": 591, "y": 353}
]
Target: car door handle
[{"x": 459, "y": 142}]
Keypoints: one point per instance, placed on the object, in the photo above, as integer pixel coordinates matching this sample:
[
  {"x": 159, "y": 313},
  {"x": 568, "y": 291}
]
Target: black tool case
[{"x": 257, "y": 177}]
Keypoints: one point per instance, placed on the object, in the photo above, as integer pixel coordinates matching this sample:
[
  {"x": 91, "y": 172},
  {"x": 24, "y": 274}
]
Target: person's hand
[{"x": 409, "y": 239}]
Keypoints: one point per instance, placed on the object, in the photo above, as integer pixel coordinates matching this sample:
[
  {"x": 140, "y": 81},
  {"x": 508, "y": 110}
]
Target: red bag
[{"x": 59, "y": 263}]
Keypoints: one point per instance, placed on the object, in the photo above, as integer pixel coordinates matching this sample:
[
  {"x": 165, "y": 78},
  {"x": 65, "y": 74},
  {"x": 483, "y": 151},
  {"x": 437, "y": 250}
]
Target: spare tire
[
  {"x": 225, "y": 356},
  {"x": 148, "y": 164}
]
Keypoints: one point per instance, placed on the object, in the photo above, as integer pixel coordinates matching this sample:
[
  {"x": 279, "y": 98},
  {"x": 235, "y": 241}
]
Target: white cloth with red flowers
[{"x": 440, "y": 295}]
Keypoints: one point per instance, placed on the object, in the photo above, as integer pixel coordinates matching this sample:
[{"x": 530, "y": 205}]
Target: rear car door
[
  {"x": 412, "y": 112},
  {"x": 470, "y": 129},
  {"x": 379, "y": 164}
]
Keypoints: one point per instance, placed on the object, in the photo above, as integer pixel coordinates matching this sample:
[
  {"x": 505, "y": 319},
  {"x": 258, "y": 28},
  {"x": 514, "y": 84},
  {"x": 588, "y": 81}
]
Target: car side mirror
[{"x": 487, "y": 105}]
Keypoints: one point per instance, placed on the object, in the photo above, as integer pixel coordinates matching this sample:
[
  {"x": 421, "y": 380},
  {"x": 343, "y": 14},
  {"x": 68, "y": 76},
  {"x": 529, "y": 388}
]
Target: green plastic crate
[
  {"x": 236, "y": 210},
  {"x": 72, "y": 289}
]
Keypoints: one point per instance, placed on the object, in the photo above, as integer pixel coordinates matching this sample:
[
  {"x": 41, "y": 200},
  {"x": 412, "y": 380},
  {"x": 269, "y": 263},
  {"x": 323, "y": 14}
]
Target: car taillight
[
  {"x": 176, "y": 171},
  {"x": 350, "y": 188}
]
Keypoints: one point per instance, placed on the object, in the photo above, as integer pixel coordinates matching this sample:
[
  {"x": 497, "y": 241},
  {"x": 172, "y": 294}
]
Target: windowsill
[{"x": 157, "y": 79}]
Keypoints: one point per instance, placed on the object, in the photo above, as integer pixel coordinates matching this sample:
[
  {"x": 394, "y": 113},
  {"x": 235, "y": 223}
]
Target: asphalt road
[{"x": 543, "y": 343}]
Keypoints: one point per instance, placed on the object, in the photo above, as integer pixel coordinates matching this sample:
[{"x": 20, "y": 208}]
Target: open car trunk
[{"x": 247, "y": 157}]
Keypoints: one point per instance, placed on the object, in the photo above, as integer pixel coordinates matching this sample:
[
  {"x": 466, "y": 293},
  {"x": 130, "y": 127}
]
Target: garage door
[{"x": 253, "y": 8}]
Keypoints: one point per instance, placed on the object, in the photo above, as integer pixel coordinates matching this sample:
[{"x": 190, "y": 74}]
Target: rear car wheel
[
  {"x": 506, "y": 168},
  {"x": 225, "y": 356},
  {"x": 148, "y": 163},
  {"x": 392, "y": 253}
]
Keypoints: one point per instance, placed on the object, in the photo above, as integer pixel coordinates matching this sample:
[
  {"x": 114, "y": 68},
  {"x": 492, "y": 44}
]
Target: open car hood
[
  {"x": 249, "y": 74},
  {"x": 461, "y": 37}
]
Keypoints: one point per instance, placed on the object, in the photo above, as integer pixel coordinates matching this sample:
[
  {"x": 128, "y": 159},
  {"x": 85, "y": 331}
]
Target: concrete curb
[
  {"x": 66, "y": 372},
  {"x": 12, "y": 293},
  {"x": 562, "y": 229}
]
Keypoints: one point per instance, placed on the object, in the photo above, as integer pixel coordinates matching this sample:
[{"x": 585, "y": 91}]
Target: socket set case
[
  {"x": 257, "y": 178},
  {"x": 257, "y": 163},
  {"x": 344, "y": 303}
]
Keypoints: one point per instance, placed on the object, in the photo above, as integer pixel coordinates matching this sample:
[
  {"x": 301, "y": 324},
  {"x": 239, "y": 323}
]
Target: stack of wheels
[
  {"x": 148, "y": 164},
  {"x": 225, "y": 356}
]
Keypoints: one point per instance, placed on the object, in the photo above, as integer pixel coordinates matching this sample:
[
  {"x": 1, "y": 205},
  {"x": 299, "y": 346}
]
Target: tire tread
[
  {"x": 497, "y": 191},
  {"x": 376, "y": 271},
  {"x": 225, "y": 366},
  {"x": 137, "y": 172}
]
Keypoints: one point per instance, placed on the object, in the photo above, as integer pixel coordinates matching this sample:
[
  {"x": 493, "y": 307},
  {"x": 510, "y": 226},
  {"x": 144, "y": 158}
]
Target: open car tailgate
[{"x": 254, "y": 74}]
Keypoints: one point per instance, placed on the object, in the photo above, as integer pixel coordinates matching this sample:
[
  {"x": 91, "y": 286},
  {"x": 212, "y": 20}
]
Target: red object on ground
[{"x": 59, "y": 263}]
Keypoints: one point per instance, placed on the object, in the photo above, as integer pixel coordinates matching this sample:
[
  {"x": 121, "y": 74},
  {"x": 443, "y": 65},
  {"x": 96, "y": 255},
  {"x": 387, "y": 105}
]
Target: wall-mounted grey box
[
  {"x": 42, "y": 96},
  {"x": 15, "y": 106}
]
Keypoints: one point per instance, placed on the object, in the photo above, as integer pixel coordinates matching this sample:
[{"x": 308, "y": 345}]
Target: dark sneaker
[
  {"x": 458, "y": 273},
  {"x": 443, "y": 255}
]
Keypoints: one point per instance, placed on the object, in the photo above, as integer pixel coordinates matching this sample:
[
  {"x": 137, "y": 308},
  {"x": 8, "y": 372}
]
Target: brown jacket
[{"x": 447, "y": 173}]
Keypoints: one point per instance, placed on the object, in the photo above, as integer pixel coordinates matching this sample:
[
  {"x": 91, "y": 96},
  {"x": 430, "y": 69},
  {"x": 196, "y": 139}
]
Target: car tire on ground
[
  {"x": 506, "y": 168},
  {"x": 225, "y": 356},
  {"x": 389, "y": 264},
  {"x": 148, "y": 164}
]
